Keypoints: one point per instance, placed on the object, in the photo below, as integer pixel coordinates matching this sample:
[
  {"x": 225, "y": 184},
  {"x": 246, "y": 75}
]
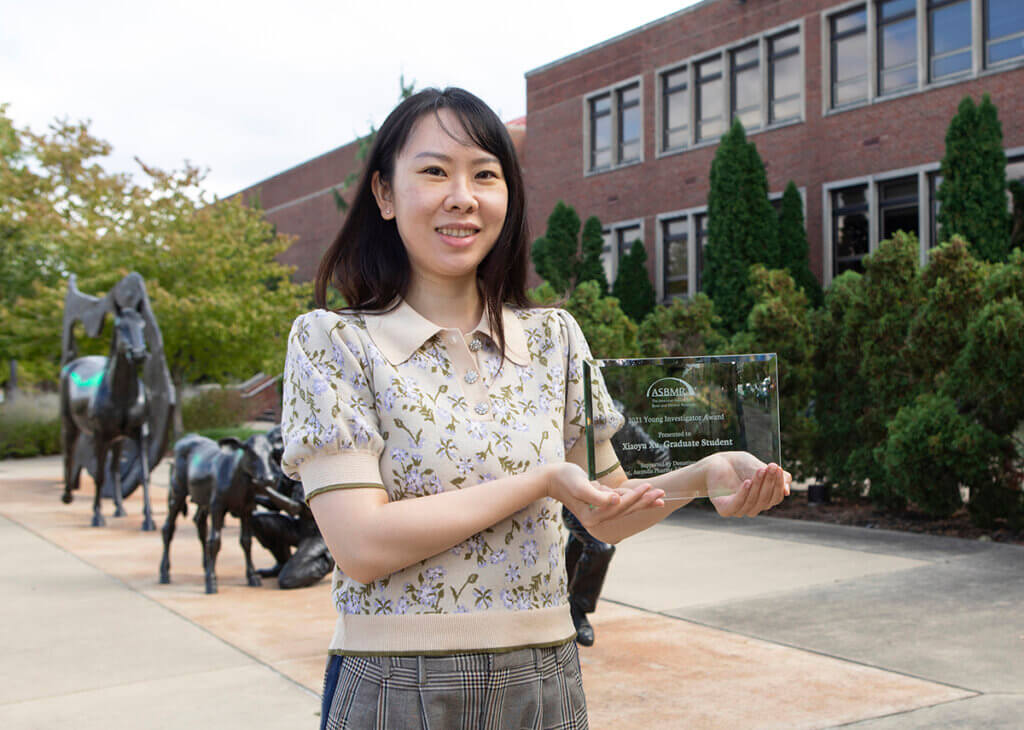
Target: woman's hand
[
  {"x": 755, "y": 486},
  {"x": 593, "y": 502}
]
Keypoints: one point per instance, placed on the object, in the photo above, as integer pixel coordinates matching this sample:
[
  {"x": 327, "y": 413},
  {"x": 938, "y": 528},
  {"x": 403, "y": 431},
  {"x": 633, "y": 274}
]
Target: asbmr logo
[{"x": 671, "y": 388}]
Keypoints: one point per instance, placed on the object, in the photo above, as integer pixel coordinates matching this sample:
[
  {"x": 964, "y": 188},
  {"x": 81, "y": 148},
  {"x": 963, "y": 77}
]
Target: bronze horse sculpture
[{"x": 115, "y": 410}]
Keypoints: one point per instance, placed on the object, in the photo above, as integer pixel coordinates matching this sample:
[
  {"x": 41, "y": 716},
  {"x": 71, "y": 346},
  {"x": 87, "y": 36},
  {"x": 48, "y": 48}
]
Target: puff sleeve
[
  {"x": 607, "y": 420},
  {"x": 329, "y": 419}
]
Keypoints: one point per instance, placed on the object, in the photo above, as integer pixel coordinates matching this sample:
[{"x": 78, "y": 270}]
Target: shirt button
[
  {"x": 472, "y": 376},
  {"x": 481, "y": 408},
  {"x": 475, "y": 345}
]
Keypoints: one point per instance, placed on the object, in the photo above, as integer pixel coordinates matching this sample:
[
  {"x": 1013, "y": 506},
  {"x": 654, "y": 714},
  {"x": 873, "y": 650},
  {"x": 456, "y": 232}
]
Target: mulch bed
[{"x": 861, "y": 513}]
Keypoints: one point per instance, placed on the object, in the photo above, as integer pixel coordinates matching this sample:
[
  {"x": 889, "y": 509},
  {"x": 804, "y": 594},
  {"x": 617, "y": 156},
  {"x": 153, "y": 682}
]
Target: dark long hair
[{"x": 367, "y": 261}]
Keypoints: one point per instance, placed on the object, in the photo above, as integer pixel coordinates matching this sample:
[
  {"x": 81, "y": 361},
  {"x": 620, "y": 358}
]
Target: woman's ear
[{"x": 382, "y": 194}]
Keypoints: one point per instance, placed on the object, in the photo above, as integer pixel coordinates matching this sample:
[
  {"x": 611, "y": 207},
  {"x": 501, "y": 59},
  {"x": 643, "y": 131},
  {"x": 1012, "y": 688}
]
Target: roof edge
[{"x": 617, "y": 38}]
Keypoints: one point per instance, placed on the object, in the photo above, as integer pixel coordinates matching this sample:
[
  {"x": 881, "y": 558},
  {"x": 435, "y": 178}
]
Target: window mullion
[
  {"x": 872, "y": 44},
  {"x": 977, "y": 37},
  {"x": 923, "y": 60}
]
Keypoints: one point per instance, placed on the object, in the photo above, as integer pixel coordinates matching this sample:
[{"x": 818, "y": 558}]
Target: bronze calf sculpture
[{"x": 219, "y": 477}]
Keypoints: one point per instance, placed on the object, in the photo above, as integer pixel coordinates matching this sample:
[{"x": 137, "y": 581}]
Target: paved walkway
[{"x": 705, "y": 623}]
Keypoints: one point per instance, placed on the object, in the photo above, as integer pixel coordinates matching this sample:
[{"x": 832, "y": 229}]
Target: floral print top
[{"x": 391, "y": 400}]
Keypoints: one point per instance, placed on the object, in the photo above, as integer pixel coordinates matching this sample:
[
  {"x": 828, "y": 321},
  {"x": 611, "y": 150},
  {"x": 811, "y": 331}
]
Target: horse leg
[
  {"x": 115, "y": 470},
  {"x": 202, "y": 512},
  {"x": 147, "y": 512},
  {"x": 217, "y": 513},
  {"x": 245, "y": 539},
  {"x": 71, "y": 470},
  {"x": 101, "y": 456},
  {"x": 176, "y": 496}
]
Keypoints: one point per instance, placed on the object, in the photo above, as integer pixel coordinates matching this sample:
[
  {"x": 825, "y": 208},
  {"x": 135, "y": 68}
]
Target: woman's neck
[{"x": 457, "y": 306}]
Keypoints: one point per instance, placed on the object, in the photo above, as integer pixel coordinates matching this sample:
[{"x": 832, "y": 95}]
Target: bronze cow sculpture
[{"x": 219, "y": 477}]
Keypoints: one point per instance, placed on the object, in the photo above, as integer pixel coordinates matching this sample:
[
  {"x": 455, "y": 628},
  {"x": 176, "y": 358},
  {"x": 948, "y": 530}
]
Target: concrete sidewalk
[{"x": 706, "y": 623}]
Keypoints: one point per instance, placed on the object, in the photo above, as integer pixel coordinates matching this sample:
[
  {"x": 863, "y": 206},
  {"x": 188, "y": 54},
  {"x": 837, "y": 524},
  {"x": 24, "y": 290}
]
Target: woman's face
[{"x": 448, "y": 198}]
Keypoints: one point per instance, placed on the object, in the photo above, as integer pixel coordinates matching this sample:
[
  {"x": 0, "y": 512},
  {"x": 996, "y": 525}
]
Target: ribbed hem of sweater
[{"x": 492, "y": 631}]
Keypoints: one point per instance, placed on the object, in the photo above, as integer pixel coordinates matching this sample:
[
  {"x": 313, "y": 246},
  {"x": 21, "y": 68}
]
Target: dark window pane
[
  {"x": 786, "y": 42},
  {"x": 746, "y": 55},
  {"x": 893, "y": 8},
  {"x": 899, "y": 43},
  {"x": 601, "y": 105},
  {"x": 851, "y": 242},
  {"x": 1005, "y": 50},
  {"x": 898, "y": 207},
  {"x": 850, "y": 197},
  {"x": 1003, "y": 18},
  {"x": 951, "y": 65},
  {"x": 786, "y": 77},
  {"x": 675, "y": 79},
  {"x": 783, "y": 110},
  {"x": 934, "y": 180},
  {"x": 950, "y": 28},
  {"x": 626, "y": 236},
  {"x": 857, "y": 19},
  {"x": 630, "y": 95}
]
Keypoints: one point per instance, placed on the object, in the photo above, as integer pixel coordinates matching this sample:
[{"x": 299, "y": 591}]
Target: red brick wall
[{"x": 879, "y": 137}]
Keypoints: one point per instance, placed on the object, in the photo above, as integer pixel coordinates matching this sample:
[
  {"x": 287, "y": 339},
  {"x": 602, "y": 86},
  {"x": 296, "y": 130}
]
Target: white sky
[{"x": 247, "y": 89}]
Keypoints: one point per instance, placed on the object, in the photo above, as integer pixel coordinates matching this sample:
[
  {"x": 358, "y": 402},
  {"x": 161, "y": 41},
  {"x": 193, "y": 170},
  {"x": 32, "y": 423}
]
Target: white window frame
[
  {"x": 724, "y": 55},
  {"x": 613, "y": 228},
  {"x": 924, "y": 82},
  {"x": 612, "y": 91}
]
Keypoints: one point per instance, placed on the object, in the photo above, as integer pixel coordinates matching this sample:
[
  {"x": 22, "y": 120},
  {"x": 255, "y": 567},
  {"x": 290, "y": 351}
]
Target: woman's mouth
[{"x": 457, "y": 236}]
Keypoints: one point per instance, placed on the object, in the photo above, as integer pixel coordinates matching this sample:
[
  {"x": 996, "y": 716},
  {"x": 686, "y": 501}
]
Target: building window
[
  {"x": 897, "y": 205},
  {"x": 934, "y": 181},
  {"x": 784, "y": 79},
  {"x": 897, "y": 45},
  {"x": 849, "y": 57},
  {"x": 676, "y": 258},
  {"x": 675, "y": 120},
  {"x": 710, "y": 102},
  {"x": 850, "y": 239},
  {"x": 949, "y": 38},
  {"x": 601, "y": 132},
  {"x": 629, "y": 123},
  {"x": 746, "y": 85},
  {"x": 618, "y": 240},
  {"x": 615, "y": 127},
  {"x": 700, "y": 232},
  {"x": 1004, "y": 31}
]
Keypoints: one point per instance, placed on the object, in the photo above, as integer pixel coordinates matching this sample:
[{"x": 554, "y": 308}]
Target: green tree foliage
[
  {"x": 742, "y": 227},
  {"x": 793, "y": 250},
  {"x": 931, "y": 450},
  {"x": 779, "y": 322},
  {"x": 862, "y": 365},
  {"x": 592, "y": 244},
  {"x": 608, "y": 330},
  {"x": 556, "y": 254},
  {"x": 223, "y": 302},
  {"x": 684, "y": 327},
  {"x": 1016, "y": 188},
  {"x": 972, "y": 195},
  {"x": 365, "y": 145},
  {"x": 633, "y": 286}
]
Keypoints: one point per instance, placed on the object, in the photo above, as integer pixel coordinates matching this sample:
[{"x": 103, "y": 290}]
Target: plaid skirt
[{"x": 526, "y": 688}]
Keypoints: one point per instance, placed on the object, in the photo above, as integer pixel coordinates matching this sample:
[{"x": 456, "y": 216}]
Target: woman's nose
[{"x": 460, "y": 195}]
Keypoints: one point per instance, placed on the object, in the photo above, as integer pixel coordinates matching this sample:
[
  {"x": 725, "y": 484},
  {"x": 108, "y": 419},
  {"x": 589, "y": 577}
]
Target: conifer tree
[
  {"x": 972, "y": 195},
  {"x": 742, "y": 227},
  {"x": 556, "y": 254},
  {"x": 633, "y": 286},
  {"x": 793, "y": 250},
  {"x": 591, "y": 268}
]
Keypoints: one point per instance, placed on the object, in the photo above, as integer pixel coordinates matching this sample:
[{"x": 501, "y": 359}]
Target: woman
[{"x": 435, "y": 426}]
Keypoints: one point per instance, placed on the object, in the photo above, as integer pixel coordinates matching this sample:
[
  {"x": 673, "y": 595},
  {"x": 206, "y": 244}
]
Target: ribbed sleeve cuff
[{"x": 347, "y": 470}]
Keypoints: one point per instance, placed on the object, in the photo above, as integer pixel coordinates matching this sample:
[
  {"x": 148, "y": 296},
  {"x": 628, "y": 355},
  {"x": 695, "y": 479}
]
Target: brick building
[{"x": 850, "y": 100}]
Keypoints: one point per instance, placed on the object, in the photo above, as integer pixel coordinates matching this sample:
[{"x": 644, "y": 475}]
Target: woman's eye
[
  {"x": 489, "y": 174},
  {"x": 432, "y": 170}
]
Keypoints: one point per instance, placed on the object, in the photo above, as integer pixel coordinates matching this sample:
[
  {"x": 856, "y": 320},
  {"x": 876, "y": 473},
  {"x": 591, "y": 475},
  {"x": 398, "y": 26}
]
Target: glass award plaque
[{"x": 678, "y": 410}]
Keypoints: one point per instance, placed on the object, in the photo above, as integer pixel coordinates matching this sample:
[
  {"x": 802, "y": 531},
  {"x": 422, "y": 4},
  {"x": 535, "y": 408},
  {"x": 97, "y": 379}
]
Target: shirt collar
[{"x": 398, "y": 333}]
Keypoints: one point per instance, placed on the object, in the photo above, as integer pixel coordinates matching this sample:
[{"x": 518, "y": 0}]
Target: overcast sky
[{"x": 248, "y": 89}]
